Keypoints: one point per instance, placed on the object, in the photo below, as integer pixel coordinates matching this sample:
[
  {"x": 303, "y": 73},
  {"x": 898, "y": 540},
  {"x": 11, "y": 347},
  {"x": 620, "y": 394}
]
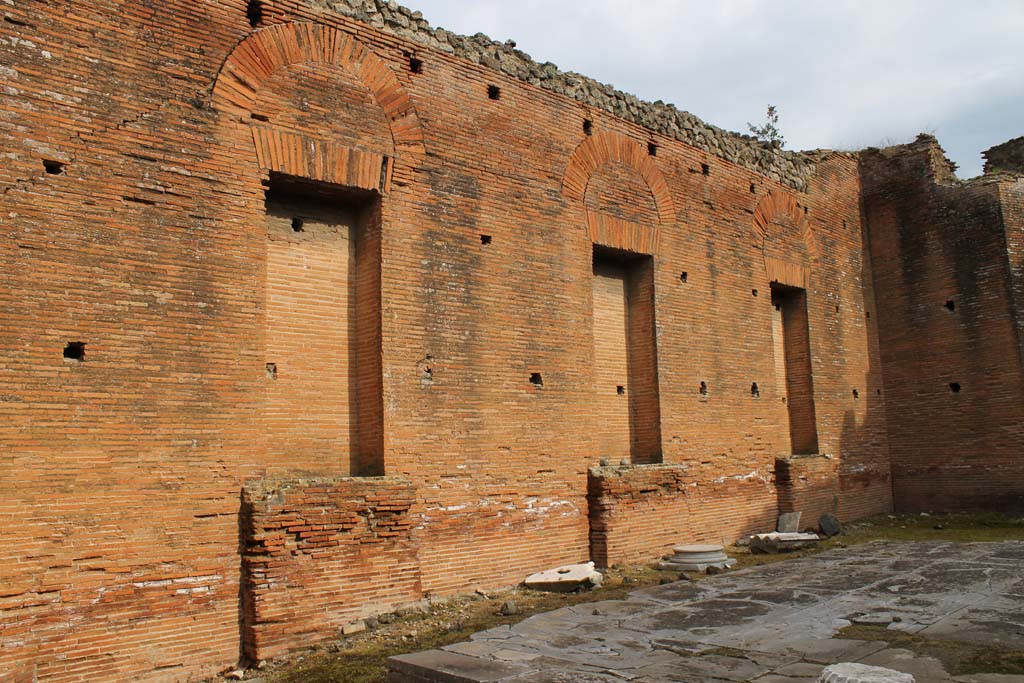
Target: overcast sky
[{"x": 844, "y": 74}]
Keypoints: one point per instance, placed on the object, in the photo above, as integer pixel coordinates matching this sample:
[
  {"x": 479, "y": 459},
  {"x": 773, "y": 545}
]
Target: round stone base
[{"x": 697, "y": 558}]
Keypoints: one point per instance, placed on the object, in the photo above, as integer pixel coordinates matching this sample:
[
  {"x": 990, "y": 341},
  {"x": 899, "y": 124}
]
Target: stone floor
[{"x": 771, "y": 624}]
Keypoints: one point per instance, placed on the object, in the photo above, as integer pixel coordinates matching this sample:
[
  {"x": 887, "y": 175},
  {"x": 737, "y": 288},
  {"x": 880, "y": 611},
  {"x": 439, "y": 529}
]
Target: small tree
[{"x": 769, "y": 132}]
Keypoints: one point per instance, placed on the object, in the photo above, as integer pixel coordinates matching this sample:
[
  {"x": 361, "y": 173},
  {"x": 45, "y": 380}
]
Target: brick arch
[
  {"x": 772, "y": 206},
  {"x": 602, "y": 148},
  {"x": 266, "y": 50}
]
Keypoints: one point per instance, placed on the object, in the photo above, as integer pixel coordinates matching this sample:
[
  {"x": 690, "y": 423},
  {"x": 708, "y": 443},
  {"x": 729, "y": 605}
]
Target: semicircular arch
[{"x": 269, "y": 49}]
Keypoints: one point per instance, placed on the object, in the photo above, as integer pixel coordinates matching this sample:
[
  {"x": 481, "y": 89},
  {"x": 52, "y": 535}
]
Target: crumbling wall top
[
  {"x": 1005, "y": 158},
  {"x": 790, "y": 168}
]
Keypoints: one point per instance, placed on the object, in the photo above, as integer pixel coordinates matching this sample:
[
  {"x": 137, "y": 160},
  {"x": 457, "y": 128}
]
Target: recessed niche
[
  {"x": 415, "y": 65},
  {"x": 856, "y": 394},
  {"x": 271, "y": 370},
  {"x": 754, "y": 292},
  {"x": 536, "y": 379},
  {"x": 494, "y": 92},
  {"x": 703, "y": 389},
  {"x": 485, "y": 239},
  {"x": 867, "y": 314},
  {"x": 652, "y": 149},
  {"x": 954, "y": 387},
  {"x": 753, "y": 188},
  {"x": 684, "y": 276},
  {"x": 705, "y": 169},
  {"x": 259, "y": 117},
  {"x": 74, "y": 351},
  {"x": 54, "y": 167},
  {"x": 298, "y": 225},
  {"x": 620, "y": 390},
  {"x": 755, "y": 390},
  {"x": 254, "y": 13},
  {"x": 951, "y": 305},
  {"x": 588, "y": 126}
]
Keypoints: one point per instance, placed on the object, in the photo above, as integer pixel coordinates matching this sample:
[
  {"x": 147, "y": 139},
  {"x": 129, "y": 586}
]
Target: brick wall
[
  {"x": 638, "y": 513},
  {"x": 949, "y": 326},
  {"x": 317, "y": 555},
  {"x": 807, "y": 484},
  {"x": 144, "y": 236}
]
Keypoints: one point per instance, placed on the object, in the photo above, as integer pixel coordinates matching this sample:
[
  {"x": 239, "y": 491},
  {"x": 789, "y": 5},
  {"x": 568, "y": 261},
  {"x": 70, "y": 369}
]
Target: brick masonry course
[{"x": 171, "y": 346}]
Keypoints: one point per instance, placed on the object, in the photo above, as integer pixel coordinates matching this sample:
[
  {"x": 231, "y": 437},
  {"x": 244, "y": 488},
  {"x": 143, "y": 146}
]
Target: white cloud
[{"x": 844, "y": 73}]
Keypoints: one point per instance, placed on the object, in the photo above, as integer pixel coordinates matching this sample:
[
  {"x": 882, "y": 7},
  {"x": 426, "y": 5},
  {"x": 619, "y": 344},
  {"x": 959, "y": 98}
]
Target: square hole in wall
[
  {"x": 74, "y": 351},
  {"x": 415, "y": 65},
  {"x": 54, "y": 167},
  {"x": 494, "y": 92},
  {"x": 588, "y": 126},
  {"x": 485, "y": 239},
  {"x": 254, "y": 13},
  {"x": 705, "y": 169},
  {"x": 536, "y": 380},
  {"x": 652, "y": 149}
]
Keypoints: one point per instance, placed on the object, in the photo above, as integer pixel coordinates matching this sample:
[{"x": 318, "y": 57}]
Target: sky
[{"x": 843, "y": 74}]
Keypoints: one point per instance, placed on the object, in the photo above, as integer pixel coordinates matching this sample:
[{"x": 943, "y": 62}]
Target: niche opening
[
  {"x": 793, "y": 370},
  {"x": 494, "y": 92},
  {"x": 322, "y": 322},
  {"x": 536, "y": 379},
  {"x": 627, "y": 423},
  {"x": 54, "y": 167}
]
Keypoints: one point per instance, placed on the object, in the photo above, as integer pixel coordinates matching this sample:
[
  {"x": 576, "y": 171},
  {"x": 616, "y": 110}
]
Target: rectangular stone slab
[{"x": 438, "y": 666}]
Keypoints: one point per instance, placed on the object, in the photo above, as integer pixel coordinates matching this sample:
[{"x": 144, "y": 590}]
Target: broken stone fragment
[
  {"x": 566, "y": 579},
  {"x": 862, "y": 673},
  {"x": 781, "y": 543},
  {"x": 874, "y": 619},
  {"x": 829, "y": 525},
  {"x": 353, "y": 628},
  {"x": 789, "y": 523}
]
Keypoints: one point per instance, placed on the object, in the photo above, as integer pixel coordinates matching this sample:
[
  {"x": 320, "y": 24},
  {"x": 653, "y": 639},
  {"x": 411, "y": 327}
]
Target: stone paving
[{"x": 772, "y": 624}]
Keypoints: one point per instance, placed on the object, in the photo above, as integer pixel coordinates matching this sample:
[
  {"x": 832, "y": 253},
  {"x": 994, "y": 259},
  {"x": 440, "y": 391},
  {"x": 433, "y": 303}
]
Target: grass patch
[{"x": 957, "y": 657}]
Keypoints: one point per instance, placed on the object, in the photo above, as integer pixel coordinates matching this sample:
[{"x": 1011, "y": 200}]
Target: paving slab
[{"x": 772, "y": 624}]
